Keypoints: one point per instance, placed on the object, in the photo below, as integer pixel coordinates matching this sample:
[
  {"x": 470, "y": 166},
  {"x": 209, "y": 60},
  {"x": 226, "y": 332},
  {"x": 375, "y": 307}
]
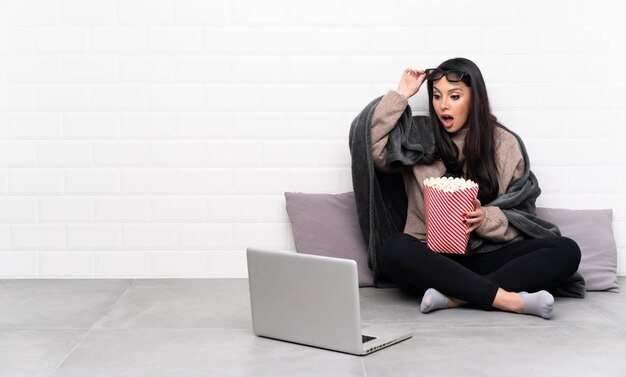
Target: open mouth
[{"x": 447, "y": 121}]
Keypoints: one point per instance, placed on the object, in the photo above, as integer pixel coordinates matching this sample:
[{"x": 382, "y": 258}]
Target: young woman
[{"x": 469, "y": 143}]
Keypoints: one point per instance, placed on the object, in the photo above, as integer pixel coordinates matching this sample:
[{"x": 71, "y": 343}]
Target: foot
[
  {"x": 538, "y": 303},
  {"x": 433, "y": 300}
]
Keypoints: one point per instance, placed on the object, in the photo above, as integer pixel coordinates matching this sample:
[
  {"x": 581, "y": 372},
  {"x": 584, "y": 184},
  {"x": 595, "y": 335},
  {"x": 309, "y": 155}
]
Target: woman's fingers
[
  {"x": 413, "y": 72},
  {"x": 415, "y": 79},
  {"x": 421, "y": 78},
  {"x": 411, "y": 81},
  {"x": 476, "y": 215},
  {"x": 474, "y": 223},
  {"x": 410, "y": 72},
  {"x": 475, "y": 218},
  {"x": 471, "y": 229}
]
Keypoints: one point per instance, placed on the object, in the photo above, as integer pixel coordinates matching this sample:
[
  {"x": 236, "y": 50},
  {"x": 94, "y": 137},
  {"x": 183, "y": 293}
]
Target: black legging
[{"x": 528, "y": 265}]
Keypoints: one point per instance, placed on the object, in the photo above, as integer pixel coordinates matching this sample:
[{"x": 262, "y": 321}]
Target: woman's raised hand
[{"x": 410, "y": 82}]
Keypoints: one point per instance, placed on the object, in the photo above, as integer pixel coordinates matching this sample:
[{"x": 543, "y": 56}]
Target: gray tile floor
[{"x": 202, "y": 327}]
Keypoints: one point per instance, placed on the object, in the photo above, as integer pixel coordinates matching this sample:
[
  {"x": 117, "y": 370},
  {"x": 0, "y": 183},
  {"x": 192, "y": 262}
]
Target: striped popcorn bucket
[{"x": 445, "y": 229}]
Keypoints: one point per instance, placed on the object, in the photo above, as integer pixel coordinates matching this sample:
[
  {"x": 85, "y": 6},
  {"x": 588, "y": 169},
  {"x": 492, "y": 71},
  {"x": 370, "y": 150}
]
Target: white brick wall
[{"x": 155, "y": 138}]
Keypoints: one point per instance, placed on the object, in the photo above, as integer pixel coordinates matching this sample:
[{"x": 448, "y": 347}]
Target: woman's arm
[
  {"x": 387, "y": 113},
  {"x": 384, "y": 119}
]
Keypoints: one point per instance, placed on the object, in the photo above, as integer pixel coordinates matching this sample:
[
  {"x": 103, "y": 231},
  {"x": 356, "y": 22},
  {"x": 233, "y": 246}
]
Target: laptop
[{"x": 312, "y": 300}]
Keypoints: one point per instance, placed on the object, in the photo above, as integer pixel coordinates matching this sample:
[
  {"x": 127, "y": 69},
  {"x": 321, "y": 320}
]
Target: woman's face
[{"x": 451, "y": 101}]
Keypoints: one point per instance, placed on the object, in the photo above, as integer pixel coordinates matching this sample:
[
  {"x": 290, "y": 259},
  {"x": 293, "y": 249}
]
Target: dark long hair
[{"x": 479, "y": 149}]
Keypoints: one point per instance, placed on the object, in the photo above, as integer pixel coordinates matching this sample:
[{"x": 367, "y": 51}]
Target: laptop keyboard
[{"x": 367, "y": 338}]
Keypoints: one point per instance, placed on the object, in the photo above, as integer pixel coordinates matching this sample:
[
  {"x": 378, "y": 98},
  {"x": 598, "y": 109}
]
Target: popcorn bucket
[{"x": 445, "y": 201}]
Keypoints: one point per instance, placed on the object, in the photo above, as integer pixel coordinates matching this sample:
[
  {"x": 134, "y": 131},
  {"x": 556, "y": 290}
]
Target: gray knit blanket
[{"x": 381, "y": 200}]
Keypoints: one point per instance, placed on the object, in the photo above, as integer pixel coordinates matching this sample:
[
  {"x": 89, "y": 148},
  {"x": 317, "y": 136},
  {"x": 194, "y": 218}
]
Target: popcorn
[
  {"x": 449, "y": 184},
  {"x": 445, "y": 201}
]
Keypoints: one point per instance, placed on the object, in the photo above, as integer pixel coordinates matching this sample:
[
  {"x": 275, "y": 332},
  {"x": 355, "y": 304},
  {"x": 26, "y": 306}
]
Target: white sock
[
  {"x": 433, "y": 300},
  {"x": 538, "y": 303}
]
